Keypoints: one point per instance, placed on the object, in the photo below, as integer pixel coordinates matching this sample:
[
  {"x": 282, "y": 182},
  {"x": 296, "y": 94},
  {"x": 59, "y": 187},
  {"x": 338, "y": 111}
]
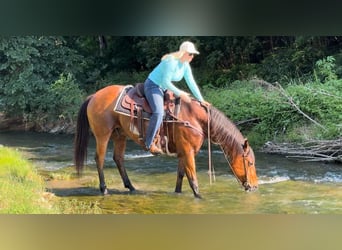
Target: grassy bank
[{"x": 22, "y": 190}]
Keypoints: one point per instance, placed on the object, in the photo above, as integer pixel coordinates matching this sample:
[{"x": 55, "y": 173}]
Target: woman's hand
[
  {"x": 185, "y": 97},
  {"x": 206, "y": 104}
]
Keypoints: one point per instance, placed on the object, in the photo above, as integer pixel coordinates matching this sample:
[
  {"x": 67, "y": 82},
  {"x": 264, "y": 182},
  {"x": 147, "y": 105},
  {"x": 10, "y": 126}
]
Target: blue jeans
[{"x": 155, "y": 97}]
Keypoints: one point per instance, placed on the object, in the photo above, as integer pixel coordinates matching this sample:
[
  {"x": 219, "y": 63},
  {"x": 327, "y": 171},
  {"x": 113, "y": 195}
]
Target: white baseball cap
[{"x": 188, "y": 47}]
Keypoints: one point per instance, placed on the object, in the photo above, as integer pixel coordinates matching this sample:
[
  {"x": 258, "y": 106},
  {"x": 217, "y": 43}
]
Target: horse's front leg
[
  {"x": 188, "y": 161},
  {"x": 180, "y": 175},
  {"x": 118, "y": 157}
]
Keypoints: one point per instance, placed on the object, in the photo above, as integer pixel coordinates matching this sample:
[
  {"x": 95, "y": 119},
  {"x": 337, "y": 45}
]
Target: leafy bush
[
  {"x": 323, "y": 103},
  {"x": 278, "y": 119},
  {"x": 67, "y": 98},
  {"x": 325, "y": 69}
]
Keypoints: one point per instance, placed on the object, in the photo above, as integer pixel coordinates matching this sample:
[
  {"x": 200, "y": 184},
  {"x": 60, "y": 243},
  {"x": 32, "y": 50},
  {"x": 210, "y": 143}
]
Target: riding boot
[{"x": 154, "y": 149}]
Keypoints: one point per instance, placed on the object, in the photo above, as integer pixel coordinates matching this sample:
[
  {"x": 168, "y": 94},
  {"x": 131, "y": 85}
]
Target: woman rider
[{"x": 173, "y": 67}]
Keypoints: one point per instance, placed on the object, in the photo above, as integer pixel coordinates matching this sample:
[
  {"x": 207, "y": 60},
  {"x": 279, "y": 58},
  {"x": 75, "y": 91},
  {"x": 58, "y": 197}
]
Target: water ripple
[{"x": 275, "y": 179}]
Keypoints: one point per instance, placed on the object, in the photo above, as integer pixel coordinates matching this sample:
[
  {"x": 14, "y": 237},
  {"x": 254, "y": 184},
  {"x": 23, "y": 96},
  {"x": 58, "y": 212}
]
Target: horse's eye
[{"x": 250, "y": 163}]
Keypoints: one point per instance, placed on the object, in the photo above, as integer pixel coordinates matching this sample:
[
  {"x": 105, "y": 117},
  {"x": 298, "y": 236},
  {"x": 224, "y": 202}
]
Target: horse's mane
[{"x": 223, "y": 131}]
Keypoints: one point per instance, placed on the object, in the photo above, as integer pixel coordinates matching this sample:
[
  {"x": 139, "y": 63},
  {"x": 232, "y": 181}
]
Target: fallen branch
[
  {"x": 252, "y": 120},
  {"x": 316, "y": 150}
]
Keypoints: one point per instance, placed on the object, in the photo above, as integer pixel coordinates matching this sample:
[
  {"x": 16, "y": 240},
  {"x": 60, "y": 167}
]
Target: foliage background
[{"x": 44, "y": 79}]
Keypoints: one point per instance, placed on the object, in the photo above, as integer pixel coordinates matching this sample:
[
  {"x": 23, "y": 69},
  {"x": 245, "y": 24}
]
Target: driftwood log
[{"x": 315, "y": 150}]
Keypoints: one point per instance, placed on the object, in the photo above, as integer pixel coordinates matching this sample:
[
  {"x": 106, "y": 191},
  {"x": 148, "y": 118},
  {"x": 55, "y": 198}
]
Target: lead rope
[{"x": 211, "y": 170}]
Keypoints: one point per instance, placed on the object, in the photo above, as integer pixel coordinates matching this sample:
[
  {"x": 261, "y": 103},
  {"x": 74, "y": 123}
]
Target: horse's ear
[{"x": 245, "y": 145}]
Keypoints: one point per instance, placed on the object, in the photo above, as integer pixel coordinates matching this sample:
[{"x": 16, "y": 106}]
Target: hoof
[
  {"x": 130, "y": 187},
  {"x": 198, "y": 196},
  {"x": 104, "y": 190}
]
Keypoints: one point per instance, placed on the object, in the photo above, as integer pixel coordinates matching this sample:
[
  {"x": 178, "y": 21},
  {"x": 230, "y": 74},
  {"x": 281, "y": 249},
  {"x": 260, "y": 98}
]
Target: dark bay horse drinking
[{"x": 185, "y": 137}]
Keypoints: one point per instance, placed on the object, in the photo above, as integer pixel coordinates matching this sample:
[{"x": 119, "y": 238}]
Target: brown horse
[{"x": 185, "y": 138}]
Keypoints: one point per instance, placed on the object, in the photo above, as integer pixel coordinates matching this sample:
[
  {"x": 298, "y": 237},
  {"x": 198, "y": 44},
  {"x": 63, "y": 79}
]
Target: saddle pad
[{"x": 118, "y": 107}]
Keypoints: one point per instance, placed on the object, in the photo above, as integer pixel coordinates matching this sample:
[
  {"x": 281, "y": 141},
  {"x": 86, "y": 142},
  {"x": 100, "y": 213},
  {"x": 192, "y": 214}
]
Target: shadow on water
[
  {"x": 286, "y": 186},
  {"x": 79, "y": 191},
  {"x": 90, "y": 191},
  {"x": 56, "y": 187}
]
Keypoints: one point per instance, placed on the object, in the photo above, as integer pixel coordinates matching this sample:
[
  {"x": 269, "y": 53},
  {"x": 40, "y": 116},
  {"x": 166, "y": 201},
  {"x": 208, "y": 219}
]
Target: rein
[
  {"x": 211, "y": 170},
  {"x": 182, "y": 122},
  {"x": 244, "y": 165}
]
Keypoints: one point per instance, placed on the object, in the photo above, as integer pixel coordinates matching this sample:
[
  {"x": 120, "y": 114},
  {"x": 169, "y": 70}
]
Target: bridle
[
  {"x": 244, "y": 155},
  {"x": 244, "y": 158}
]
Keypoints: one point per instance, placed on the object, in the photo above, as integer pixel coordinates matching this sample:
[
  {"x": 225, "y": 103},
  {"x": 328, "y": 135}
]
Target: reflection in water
[{"x": 286, "y": 186}]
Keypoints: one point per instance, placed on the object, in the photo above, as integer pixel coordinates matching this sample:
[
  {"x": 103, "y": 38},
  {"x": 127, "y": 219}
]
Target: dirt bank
[{"x": 19, "y": 124}]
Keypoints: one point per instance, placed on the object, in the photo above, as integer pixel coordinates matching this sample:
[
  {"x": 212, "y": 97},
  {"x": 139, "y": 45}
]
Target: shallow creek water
[{"x": 286, "y": 186}]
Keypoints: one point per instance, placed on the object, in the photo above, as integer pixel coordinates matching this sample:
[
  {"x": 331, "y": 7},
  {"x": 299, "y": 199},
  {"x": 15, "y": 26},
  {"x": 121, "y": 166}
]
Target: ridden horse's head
[
  {"x": 237, "y": 151},
  {"x": 243, "y": 166}
]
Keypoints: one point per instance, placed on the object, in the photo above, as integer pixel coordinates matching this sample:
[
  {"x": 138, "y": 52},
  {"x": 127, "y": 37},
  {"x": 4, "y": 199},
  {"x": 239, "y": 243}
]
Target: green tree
[{"x": 29, "y": 65}]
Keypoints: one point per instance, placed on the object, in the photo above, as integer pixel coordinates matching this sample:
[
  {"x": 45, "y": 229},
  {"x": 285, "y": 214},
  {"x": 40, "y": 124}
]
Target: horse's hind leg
[
  {"x": 101, "y": 148},
  {"x": 118, "y": 157}
]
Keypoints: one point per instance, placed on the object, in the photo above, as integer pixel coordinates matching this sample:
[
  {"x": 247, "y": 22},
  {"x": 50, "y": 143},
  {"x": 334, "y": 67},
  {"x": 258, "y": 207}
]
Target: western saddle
[{"x": 136, "y": 105}]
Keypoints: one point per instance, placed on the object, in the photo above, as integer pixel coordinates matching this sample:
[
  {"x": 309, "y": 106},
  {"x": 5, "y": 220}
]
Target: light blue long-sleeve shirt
[{"x": 171, "y": 69}]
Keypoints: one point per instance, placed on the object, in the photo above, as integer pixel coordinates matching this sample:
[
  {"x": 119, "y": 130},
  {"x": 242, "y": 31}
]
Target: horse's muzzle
[{"x": 249, "y": 188}]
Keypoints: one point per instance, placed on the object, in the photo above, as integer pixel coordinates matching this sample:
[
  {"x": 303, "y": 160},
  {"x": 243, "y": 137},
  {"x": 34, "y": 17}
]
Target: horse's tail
[{"x": 81, "y": 136}]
